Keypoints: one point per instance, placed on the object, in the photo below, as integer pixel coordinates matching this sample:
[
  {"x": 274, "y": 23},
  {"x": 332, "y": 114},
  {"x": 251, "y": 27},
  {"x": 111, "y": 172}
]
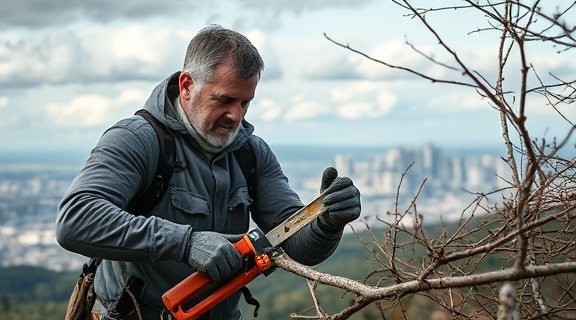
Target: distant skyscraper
[
  {"x": 389, "y": 183},
  {"x": 379, "y": 164},
  {"x": 475, "y": 173},
  {"x": 431, "y": 160},
  {"x": 458, "y": 172},
  {"x": 397, "y": 160},
  {"x": 503, "y": 173},
  {"x": 344, "y": 165}
]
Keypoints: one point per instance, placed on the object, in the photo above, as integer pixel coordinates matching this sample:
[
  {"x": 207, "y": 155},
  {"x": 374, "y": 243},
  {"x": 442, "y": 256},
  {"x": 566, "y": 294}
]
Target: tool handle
[{"x": 180, "y": 294}]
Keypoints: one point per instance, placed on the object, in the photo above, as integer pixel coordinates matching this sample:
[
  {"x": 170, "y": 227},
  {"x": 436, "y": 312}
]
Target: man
[{"x": 207, "y": 203}]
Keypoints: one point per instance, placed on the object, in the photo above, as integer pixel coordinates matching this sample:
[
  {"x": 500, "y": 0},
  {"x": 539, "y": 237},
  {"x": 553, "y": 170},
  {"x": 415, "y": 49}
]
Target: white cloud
[
  {"x": 265, "y": 109},
  {"x": 457, "y": 101},
  {"x": 305, "y": 110},
  {"x": 269, "y": 54},
  {"x": 537, "y": 105},
  {"x": 82, "y": 111},
  {"x": 345, "y": 64},
  {"x": 335, "y": 66},
  {"x": 355, "y": 110},
  {"x": 427, "y": 59},
  {"x": 7, "y": 115},
  {"x": 31, "y": 14},
  {"x": 92, "y": 110},
  {"x": 393, "y": 52},
  {"x": 28, "y": 14},
  {"x": 139, "y": 48},
  {"x": 363, "y": 100},
  {"x": 257, "y": 37},
  {"x": 105, "y": 54},
  {"x": 3, "y": 102},
  {"x": 102, "y": 54},
  {"x": 131, "y": 95}
]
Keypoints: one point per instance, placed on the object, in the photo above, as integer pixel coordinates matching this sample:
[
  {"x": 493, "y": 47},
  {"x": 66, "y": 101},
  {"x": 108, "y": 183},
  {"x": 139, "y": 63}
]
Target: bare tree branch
[{"x": 530, "y": 231}]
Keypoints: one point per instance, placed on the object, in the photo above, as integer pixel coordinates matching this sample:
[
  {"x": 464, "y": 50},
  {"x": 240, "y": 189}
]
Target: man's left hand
[{"x": 342, "y": 201}]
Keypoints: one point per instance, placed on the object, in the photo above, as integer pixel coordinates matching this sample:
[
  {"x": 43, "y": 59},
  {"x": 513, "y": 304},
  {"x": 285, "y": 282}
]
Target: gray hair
[{"x": 214, "y": 44}]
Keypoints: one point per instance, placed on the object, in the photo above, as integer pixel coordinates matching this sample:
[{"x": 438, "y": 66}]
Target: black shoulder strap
[
  {"x": 91, "y": 266},
  {"x": 144, "y": 202},
  {"x": 247, "y": 161}
]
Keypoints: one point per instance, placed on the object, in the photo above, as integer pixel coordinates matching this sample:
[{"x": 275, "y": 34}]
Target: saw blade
[{"x": 297, "y": 221}]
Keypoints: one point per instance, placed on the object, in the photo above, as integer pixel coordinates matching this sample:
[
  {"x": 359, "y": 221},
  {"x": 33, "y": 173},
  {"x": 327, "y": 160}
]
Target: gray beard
[
  {"x": 207, "y": 145},
  {"x": 203, "y": 139}
]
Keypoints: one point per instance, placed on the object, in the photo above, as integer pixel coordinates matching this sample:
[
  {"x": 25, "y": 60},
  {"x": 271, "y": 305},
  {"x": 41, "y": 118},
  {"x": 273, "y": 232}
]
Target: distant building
[
  {"x": 344, "y": 165},
  {"x": 431, "y": 160},
  {"x": 457, "y": 172}
]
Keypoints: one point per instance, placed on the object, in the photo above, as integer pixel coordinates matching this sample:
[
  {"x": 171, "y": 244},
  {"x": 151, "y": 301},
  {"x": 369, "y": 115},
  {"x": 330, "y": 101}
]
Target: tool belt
[
  {"x": 127, "y": 306},
  {"x": 83, "y": 299},
  {"x": 83, "y": 296}
]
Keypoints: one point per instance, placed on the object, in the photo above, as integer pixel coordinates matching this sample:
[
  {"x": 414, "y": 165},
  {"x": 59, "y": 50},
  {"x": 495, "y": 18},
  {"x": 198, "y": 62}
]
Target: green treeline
[{"x": 36, "y": 293}]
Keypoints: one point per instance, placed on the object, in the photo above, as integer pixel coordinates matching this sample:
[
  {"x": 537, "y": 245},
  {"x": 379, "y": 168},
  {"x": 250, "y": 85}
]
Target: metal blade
[{"x": 296, "y": 221}]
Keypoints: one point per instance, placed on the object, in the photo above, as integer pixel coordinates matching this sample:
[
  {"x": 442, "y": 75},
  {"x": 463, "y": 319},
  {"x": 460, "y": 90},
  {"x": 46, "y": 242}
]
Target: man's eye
[{"x": 224, "y": 100}]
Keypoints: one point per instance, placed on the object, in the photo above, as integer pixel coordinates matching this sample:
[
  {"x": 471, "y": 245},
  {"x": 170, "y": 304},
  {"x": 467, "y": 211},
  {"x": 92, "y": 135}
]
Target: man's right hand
[{"x": 213, "y": 254}]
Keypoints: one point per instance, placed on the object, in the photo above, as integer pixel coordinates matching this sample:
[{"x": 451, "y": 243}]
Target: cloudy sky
[{"x": 69, "y": 69}]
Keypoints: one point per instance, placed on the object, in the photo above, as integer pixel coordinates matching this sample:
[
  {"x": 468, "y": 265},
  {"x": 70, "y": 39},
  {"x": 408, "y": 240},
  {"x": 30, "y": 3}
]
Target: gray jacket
[{"x": 204, "y": 195}]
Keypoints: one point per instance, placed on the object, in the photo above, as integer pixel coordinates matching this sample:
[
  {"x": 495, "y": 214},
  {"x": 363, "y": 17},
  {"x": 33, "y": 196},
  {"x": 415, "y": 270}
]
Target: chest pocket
[
  {"x": 189, "y": 208},
  {"x": 238, "y": 211}
]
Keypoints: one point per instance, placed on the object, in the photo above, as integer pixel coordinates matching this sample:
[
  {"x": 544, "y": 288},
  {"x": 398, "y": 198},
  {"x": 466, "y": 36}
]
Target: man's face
[{"x": 217, "y": 109}]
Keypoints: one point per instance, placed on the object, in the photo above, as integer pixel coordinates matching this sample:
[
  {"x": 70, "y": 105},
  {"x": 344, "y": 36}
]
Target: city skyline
[
  {"x": 29, "y": 196},
  {"x": 380, "y": 175}
]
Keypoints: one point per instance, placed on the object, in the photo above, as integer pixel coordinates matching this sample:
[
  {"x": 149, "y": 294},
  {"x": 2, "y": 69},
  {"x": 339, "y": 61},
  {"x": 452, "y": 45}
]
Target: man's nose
[{"x": 236, "y": 113}]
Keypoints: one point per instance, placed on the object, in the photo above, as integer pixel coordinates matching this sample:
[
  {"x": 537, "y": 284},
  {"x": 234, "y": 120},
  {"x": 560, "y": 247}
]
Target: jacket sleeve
[
  {"x": 91, "y": 220},
  {"x": 276, "y": 201}
]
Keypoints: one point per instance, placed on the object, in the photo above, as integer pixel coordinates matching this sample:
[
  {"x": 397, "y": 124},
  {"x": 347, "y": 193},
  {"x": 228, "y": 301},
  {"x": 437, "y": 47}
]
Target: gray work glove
[
  {"x": 213, "y": 254},
  {"x": 342, "y": 201}
]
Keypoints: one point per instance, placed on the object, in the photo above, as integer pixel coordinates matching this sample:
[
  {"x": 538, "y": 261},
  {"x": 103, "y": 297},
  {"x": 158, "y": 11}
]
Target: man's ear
[{"x": 185, "y": 84}]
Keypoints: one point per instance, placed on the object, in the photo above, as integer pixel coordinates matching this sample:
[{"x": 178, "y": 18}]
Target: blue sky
[{"x": 70, "y": 69}]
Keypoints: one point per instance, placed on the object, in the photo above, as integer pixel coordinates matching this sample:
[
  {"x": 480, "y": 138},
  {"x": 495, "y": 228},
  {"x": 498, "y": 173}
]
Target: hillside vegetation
[{"x": 36, "y": 293}]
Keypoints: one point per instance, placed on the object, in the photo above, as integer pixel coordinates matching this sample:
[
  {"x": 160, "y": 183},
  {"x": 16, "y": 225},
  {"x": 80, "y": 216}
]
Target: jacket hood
[{"x": 160, "y": 105}]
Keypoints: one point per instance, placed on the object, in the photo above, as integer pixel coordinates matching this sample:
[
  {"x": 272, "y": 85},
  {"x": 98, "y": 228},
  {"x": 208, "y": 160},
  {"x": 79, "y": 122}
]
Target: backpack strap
[
  {"x": 247, "y": 160},
  {"x": 144, "y": 202}
]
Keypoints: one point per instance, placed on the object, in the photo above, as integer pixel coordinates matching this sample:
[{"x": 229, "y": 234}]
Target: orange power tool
[{"x": 257, "y": 252}]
